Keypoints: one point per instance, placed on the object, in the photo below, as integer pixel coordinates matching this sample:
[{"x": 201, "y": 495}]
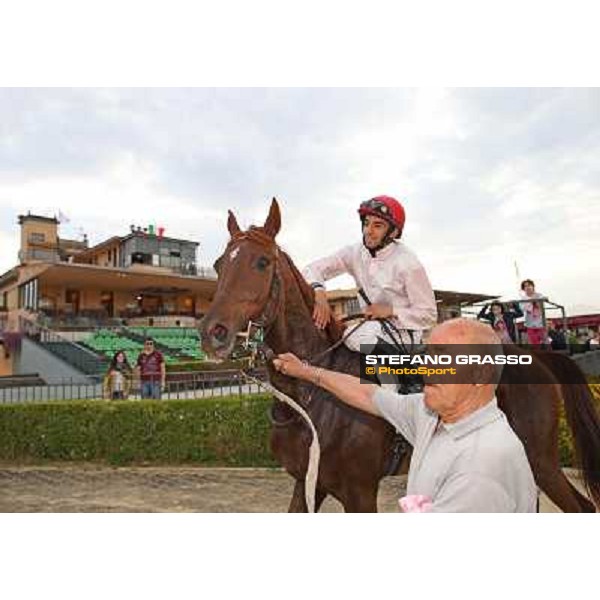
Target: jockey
[{"x": 390, "y": 275}]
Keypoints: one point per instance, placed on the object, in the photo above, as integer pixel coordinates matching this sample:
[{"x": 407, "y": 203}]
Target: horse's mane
[{"x": 334, "y": 329}]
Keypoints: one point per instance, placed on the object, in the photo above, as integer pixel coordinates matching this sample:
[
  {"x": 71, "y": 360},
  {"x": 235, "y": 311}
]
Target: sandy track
[{"x": 92, "y": 488}]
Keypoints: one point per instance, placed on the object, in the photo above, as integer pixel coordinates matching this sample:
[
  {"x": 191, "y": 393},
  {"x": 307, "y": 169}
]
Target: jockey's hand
[
  {"x": 289, "y": 364},
  {"x": 379, "y": 311},
  {"x": 322, "y": 310}
]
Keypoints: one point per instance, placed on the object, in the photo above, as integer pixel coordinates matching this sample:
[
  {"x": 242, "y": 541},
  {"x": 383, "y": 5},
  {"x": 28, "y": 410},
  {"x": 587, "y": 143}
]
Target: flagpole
[{"x": 518, "y": 274}]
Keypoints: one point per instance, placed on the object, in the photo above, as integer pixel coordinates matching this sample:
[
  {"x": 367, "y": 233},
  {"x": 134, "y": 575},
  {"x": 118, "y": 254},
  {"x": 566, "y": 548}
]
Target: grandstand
[
  {"x": 178, "y": 345},
  {"x": 75, "y": 305},
  {"x": 182, "y": 341}
]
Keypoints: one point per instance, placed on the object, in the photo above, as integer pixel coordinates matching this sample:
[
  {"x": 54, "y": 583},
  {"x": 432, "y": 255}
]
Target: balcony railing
[
  {"x": 88, "y": 319},
  {"x": 51, "y": 256}
]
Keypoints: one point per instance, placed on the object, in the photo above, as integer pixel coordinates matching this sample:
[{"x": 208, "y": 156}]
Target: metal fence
[{"x": 179, "y": 386}]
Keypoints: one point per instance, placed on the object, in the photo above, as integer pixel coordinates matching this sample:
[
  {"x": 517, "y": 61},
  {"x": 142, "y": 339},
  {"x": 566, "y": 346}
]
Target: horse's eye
[{"x": 262, "y": 263}]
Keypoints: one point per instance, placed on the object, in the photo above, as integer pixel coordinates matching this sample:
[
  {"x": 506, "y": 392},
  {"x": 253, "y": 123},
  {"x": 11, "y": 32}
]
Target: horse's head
[{"x": 248, "y": 286}]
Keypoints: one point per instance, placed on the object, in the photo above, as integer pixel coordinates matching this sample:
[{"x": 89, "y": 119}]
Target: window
[
  {"x": 29, "y": 295},
  {"x": 352, "y": 307},
  {"x": 141, "y": 258},
  {"x": 37, "y": 238}
]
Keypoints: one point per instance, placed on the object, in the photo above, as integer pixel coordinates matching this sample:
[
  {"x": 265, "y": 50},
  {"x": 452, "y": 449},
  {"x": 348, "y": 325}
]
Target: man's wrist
[
  {"x": 318, "y": 375},
  {"x": 311, "y": 373}
]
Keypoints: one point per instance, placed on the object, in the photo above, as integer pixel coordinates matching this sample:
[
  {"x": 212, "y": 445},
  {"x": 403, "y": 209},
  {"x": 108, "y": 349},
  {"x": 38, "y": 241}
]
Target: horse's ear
[
  {"x": 232, "y": 225},
  {"x": 273, "y": 223}
]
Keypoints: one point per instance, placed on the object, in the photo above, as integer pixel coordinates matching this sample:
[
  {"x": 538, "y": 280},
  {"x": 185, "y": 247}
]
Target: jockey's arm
[
  {"x": 421, "y": 312},
  {"x": 324, "y": 269},
  {"x": 320, "y": 271}
]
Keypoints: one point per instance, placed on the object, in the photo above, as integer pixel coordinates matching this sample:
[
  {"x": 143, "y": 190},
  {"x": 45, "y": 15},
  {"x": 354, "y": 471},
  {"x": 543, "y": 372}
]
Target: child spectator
[
  {"x": 501, "y": 320},
  {"x": 117, "y": 382},
  {"x": 534, "y": 318}
]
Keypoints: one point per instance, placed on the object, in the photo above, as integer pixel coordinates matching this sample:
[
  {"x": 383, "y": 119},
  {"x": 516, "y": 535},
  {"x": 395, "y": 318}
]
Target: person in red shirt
[{"x": 151, "y": 371}]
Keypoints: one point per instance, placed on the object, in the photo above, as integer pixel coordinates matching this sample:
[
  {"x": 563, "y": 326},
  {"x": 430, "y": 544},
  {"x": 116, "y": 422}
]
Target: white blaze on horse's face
[{"x": 233, "y": 254}]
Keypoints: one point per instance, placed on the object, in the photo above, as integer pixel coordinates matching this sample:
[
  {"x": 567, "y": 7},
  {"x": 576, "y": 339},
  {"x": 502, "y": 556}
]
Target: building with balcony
[{"x": 141, "y": 278}]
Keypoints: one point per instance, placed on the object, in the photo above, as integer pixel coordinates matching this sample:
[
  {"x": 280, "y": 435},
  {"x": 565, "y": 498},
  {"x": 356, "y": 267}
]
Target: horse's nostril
[{"x": 219, "y": 333}]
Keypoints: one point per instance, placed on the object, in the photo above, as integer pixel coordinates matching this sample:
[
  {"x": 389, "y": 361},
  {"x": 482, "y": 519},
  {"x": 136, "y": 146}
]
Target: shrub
[
  {"x": 565, "y": 440},
  {"x": 229, "y": 431}
]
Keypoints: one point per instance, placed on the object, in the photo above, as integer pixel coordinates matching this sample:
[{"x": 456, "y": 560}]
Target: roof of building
[
  {"x": 441, "y": 296},
  {"x": 162, "y": 237},
  {"x": 97, "y": 247},
  {"x": 10, "y": 276},
  {"x": 461, "y": 298},
  {"x": 578, "y": 320},
  {"x": 120, "y": 239},
  {"x": 83, "y": 275},
  {"x": 64, "y": 243},
  {"x": 30, "y": 217}
]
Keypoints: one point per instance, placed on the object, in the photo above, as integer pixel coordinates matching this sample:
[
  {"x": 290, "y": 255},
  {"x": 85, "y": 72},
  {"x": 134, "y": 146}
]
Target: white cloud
[{"x": 487, "y": 176}]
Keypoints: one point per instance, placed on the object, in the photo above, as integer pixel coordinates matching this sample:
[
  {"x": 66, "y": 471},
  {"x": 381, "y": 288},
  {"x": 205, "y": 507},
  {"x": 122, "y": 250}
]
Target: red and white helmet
[{"x": 384, "y": 207}]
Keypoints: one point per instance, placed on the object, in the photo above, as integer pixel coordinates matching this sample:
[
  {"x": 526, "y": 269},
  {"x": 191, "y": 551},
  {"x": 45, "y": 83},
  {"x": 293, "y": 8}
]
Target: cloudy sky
[{"x": 487, "y": 176}]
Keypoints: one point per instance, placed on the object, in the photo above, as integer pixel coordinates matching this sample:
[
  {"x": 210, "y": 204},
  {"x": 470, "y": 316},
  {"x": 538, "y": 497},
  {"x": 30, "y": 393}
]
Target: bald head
[{"x": 479, "y": 337}]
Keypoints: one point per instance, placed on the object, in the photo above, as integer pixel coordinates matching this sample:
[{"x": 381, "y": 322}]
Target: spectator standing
[
  {"x": 117, "y": 382},
  {"x": 151, "y": 370},
  {"x": 534, "y": 317},
  {"x": 558, "y": 340},
  {"x": 501, "y": 320}
]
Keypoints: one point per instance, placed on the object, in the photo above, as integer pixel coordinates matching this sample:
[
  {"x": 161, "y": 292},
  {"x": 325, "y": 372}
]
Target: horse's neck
[{"x": 294, "y": 329}]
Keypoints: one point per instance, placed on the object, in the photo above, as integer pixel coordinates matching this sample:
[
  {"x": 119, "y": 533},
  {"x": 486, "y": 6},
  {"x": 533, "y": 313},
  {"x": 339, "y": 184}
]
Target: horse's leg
[
  {"x": 319, "y": 498},
  {"x": 586, "y": 505},
  {"x": 298, "y": 502},
  {"x": 361, "y": 499}
]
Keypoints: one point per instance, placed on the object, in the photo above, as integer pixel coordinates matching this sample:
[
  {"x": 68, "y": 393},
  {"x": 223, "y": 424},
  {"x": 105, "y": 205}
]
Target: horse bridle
[{"x": 265, "y": 321}]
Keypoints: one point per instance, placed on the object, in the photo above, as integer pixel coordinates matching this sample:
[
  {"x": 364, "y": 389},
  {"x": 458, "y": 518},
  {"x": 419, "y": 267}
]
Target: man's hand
[
  {"x": 322, "y": 310},
  {"x": 379, "y": 311},
  {"x": 289, "y": 364}
]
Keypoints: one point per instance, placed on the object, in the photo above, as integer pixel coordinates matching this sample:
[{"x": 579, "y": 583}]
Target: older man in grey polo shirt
[{"x": 466, "y": 458}]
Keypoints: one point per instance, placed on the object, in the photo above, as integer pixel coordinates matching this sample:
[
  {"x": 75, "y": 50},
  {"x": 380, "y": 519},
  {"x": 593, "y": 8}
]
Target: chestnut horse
[{"x": 259, "y": 283}]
